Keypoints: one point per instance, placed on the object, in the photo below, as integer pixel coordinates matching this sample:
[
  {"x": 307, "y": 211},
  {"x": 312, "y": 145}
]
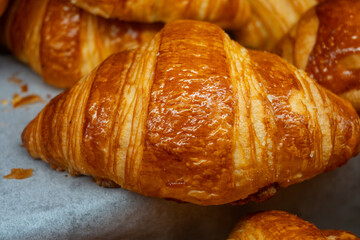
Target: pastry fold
[
  {"x": 270, "y": 20},
  {"x": 230, "y": 14},
  {"x": 62, "y": 43},
  {"x": 326, "y": 43},
  {"x": 192, "y": 115}
]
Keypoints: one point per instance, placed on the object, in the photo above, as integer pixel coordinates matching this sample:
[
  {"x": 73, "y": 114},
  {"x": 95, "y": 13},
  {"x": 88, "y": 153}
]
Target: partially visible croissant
[
  {"x": 230, "y": 14},
  {"x": 194, "y": 116},
  {"x": 278, "y": 225},
  {"x": 62, "y": 42},
  {"x": 326, "y": 43},
  {"x": 3, "y": 5},
  {"x": 270, "y": 20}
]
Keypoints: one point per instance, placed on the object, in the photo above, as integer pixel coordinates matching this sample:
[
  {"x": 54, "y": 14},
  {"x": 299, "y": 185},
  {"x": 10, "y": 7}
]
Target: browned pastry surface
[
  {"x": 282, "y": 226},
  {"x": 63, "y": 43},
  {"x": 194, "y": 116},
  {"x": 339, "y": 235},
  {"x": 326, "y": 43},
  {"x": 270, "y": 20},
  {"x": 230, "y": 14}
]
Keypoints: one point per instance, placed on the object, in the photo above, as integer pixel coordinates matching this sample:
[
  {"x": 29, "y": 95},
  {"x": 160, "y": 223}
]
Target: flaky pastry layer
[{"x": 194, "y": 116}]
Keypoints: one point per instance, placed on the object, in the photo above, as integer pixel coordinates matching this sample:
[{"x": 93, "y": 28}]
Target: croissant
[
  {"x": 326, "y": 43},
  {"x": 230, "y": 14},
  {"x": 281, "y": 225},
  {"x": 270, "y": 21},
  {"x": 62, "y": 42},
  {"x": 3, "y": 5},
  {"x": 194, "y": 116}
]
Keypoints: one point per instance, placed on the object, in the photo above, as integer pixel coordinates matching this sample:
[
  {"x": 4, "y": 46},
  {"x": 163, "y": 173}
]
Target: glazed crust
[
  {"x": 62, "y": 43},
  {"x": 194, "y": 116},
  {"x": 326, "y": 43},
  {"x": 270, "y": 21},
  {"x": 230, "y": 14},
  {"x": 282, "y": 225},
  {"x": 339, "y": 235}
]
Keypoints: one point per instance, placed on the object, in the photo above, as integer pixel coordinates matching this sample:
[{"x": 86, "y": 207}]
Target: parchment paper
[{"x": 51, "y": 206}]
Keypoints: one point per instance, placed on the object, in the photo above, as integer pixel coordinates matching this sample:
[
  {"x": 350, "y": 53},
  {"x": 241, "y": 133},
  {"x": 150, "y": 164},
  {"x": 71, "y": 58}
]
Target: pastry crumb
[
  {"x": 15, "y": 79},
  {"x": 19, "y": 173},
  {"x": 24, "y": 88},
  {"x": 4, "y": 101},
  {"x": 19, "y": 101}
]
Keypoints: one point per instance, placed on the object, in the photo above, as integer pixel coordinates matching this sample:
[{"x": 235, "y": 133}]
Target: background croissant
[
  {"x": 270, "y": 21},
  {"x": 326, "y": 43},
  {"x": 62, "y": 42},
  {"x": 280, "y": 226},
  {"x": 226, "y": 13},
  {"x": 260, "y": 23},
  {"x": 194, "y": 116}
]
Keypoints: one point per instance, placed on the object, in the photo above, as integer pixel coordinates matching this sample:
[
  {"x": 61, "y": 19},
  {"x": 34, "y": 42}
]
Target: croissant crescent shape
[
  {"x": 194, "y": 116},
  {"x": 62, "y": 43},
  {"x": 326, "y": 43},
  {"x": 279, "y": 225},
  {"x": 270, "y": 21},
  {"x": 230, "y": 14}
]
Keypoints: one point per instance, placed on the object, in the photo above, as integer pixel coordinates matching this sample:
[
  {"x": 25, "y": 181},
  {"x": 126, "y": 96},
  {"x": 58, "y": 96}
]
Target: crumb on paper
[
  {"x": 48, "y": 95},
  {"x": 19, "y": 173},
  {"x": 24, "y": 88},
  {"x": 4, "y": 101},
  {"x": 19, "y": 101},
  {"x": 15, "y": 79}
]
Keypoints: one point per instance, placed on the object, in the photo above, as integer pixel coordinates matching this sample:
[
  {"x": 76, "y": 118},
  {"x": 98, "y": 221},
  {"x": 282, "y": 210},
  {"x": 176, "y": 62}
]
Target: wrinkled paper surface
[{"x": 49, "y": 205}]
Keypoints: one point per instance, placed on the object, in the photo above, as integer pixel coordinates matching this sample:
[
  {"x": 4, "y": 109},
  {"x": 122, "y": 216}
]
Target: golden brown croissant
[
  {"x": 63, "y": 43},
  {"x": 230, "y": 14},
  {"x": 194, "y": 116},
  {"x": 339, "y": 235},
  {"x": 270, "y": 20},
  {"x": 326, "y": 43},
  {"x": 3, "y": 5},
  {"x": 279, "y": 225}
]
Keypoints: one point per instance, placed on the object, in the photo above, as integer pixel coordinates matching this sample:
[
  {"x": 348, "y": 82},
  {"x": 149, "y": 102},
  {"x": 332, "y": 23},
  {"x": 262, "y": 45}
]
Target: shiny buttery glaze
[
  {"x": 338, "y": 37},
  {"x": 190, "y": 120},
  {"x": 195, "y": 117},
  {"x": 326, "y": 44},
  {"x": 281, "y": 225},
  {"x": 63, "y": 43},
  {"x": 339, "y": 235},
  {"x": 60, "y": 47},
  {"x": 230, "y": 14}
]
